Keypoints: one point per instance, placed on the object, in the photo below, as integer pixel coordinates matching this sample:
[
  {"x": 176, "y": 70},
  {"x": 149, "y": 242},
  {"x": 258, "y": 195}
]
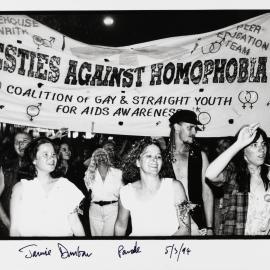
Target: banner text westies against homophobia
[{"x": 45, "y": 67}]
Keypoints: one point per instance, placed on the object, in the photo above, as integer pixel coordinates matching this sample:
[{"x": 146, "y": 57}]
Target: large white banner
[{"x": 49, "y": 80}]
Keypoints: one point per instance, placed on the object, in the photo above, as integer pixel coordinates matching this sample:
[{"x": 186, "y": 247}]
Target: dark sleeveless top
[{"x": 194, "y": 184}]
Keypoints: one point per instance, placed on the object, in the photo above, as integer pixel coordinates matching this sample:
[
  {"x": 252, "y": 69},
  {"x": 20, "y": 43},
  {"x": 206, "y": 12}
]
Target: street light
[{"x": 108, "y": 21}]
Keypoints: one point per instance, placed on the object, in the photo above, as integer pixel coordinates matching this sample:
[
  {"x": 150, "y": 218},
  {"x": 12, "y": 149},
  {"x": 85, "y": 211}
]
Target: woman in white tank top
[{"x": 151, "y": 201}]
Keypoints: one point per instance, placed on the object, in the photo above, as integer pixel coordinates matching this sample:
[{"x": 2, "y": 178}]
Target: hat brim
[
  {"x": 198, "y": 129},
  {"x": 194, "y": 122},
  {"x": 199, "y": 123}
]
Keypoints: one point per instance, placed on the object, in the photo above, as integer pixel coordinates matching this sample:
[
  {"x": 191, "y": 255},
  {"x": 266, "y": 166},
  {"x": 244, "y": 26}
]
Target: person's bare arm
[
  {"x": 15, "y": 204},
  {"x": 245, "y": 137},
  {"x": 121, "y": 223},
  {"x": 3, "y": 215},
  {"x": 208, "y": 197},
  {"x": 183, "y": 216},
  {"x": 76, "y": 224},
  {"x": 2, "y": 181}
]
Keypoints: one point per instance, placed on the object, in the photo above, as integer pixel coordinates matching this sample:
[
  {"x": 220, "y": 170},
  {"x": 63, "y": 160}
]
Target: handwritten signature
[
  {"x": 174, "y": 251},
  {"x": 123, "y": 251},
  {"x": 33, "y": 251}
]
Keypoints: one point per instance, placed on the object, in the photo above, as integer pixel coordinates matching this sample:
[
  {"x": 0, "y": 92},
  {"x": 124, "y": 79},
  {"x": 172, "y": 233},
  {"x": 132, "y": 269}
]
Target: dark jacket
[{"x": 194, "y": 183}]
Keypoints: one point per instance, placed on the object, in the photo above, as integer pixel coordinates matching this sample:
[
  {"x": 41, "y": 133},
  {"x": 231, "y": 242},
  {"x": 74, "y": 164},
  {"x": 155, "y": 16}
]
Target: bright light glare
[{"x": 108, "y": 21}]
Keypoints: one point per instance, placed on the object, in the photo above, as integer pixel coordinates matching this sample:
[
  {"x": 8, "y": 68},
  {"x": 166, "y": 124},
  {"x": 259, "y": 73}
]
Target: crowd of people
[{"x": 150, "y": 186}]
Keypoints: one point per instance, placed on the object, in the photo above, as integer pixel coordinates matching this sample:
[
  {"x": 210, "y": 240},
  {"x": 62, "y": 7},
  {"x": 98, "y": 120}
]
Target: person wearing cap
[{"x": 185, "y": 162}]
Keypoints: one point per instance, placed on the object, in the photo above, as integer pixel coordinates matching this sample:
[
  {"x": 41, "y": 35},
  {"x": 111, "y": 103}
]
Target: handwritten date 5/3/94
[{"x": 174, "y": 251}]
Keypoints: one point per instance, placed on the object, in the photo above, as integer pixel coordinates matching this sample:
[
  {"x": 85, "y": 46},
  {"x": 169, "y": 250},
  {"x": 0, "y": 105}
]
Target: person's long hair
[
  {"x": 241, "y": 166},
  {"x": 28, "y": 171},
  {"x": 90, "y": 173},
  {"x": 169, "y": 152},
  {"x": 9, "y": 154},
  {"x": 60, "y": 157},
  {"x": 131, "y": 173}
]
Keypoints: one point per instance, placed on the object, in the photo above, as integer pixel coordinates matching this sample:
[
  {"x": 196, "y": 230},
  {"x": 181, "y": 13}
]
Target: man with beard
[
  {"x": 185, "y": 162},
  {"x": 9, "y": 177}
]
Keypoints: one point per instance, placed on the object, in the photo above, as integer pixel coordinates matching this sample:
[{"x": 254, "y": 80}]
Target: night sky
[{"x": 133, "y": 27}]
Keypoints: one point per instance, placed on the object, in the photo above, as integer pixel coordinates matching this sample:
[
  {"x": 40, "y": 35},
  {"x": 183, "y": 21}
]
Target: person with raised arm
[{"x": 242, "y": 172}]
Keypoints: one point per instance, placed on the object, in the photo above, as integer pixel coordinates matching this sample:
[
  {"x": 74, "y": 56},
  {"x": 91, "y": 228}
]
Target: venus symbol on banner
[
  {"x": 204, "y": 118},
  {"x": 248, "y": 97}
]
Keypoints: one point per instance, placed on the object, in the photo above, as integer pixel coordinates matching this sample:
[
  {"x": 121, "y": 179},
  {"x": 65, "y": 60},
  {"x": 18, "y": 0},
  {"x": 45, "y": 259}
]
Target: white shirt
[
  {"x": 46, "y": 214},
  {"x": 109, "y": 189},
  {"x": 258, "y": 214},
  {"x": 153, "y": 217}
]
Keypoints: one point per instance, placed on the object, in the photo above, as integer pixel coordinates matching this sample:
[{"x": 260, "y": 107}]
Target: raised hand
[
  {"x": 60, "y": 133},
  {"x": 247, "y": 134}
]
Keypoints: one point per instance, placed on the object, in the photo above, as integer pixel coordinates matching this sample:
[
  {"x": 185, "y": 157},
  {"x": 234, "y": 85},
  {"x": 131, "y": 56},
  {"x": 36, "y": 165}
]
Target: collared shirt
[
  {"x": 234, "y": 206},
  {"x": 109, "y": 189}
]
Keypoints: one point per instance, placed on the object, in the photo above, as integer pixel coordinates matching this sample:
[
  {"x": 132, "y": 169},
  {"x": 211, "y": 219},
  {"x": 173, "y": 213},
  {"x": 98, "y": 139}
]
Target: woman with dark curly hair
[
  {"x": 157, "y": 205},
  {"x": 245, "y": 206},
  {"x": 44, "y": 204}
]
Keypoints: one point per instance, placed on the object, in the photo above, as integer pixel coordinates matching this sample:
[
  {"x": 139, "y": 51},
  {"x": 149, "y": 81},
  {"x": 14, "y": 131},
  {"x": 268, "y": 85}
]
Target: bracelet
[{"x": 209, "y": 228}]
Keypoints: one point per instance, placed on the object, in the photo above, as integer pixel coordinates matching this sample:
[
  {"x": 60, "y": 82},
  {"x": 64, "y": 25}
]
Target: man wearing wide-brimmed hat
[{"x": 187, "y": 163}]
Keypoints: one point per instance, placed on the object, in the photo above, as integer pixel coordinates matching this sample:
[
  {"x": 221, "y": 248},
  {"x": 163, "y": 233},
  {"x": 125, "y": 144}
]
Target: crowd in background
[{"x": 87, "y": 163}]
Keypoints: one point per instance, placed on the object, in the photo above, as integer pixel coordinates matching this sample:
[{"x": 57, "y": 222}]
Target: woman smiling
[
  {"x": 44, "y": 204},
  {"x": 156, "y": 205}
]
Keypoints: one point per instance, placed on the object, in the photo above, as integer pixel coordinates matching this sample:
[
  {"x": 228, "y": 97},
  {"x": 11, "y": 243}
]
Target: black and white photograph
[{"x": 134, "y": 137}]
